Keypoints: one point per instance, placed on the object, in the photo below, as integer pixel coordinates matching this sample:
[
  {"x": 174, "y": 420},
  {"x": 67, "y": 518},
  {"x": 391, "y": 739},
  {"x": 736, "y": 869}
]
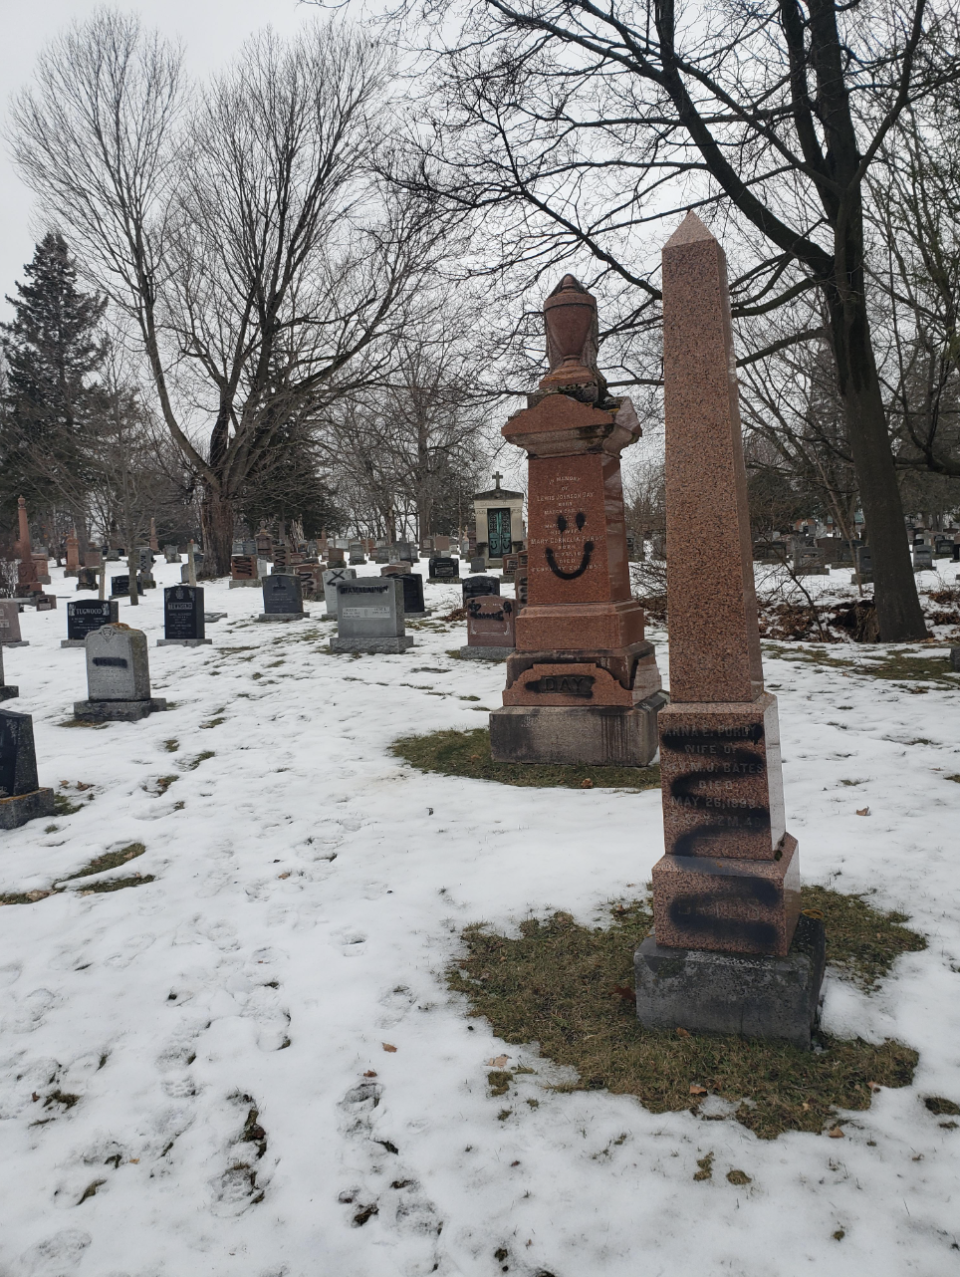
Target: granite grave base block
[
  {"x": 469, "y": 653},
  {"x": 283, "y": 616},
  {"x": 727, "y": 905},
  {"x": 253, "y": 582},
  {"x": 754, "y": 997},
  {"x": 116, "y": 711},
  {"x": 390, "y": 644},
  {"x": 197, "y": 642},
  {"x": 8, "y": 691},
  {"x": 591, "y": 735},
  {"x": 16, "y": 811}
]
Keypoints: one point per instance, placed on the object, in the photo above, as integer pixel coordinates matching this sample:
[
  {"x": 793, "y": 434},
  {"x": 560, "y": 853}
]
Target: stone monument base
[
  {"x": 253, "y": 582},
  {"x": 283, "y": 616},
  {"x": 443, "y": 580},
  {"x": 182, "y": 642},
  {"x": 8, "y": 691},
  {"x": 71, "y": 572},
  {"x": 478, "y": 653},
  {"x": 704, "y": 991},
  {"x": 591, "y": 735},
  {"x": 16, "y": 811},
  {"x": 73, "y": 642},
  {"x": 15, "y": 643},
  {"x": 392, "y": 645},
  {"x": 116, "y": 711}
]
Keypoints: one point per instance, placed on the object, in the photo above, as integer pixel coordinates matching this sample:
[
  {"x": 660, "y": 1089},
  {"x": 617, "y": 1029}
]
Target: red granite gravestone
[
  {"x": 727, "y": 891},
  {"x": 583, "y": 684},
  {"x": 491, "y": 628}
]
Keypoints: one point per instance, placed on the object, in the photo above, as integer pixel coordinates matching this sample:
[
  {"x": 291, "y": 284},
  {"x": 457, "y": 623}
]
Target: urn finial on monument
[{"x": 570, "y": 319}]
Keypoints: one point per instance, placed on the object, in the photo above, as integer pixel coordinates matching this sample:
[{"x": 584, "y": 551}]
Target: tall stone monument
[
  {"x": 27, "y": 577},
  {"x": 727, "y": 954},
  {"x": 582, "y": 685}
]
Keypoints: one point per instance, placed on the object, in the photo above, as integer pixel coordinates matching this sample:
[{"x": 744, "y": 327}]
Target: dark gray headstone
[
  {"x": 475, "y": 586},
  {"x": 922, "y": 557},
  {"x": 478, "y": 563},
  {"x": 119, "y": 586},
  {"x": 445, "y": 569},
  {"x": 282, "y": 596},
  {"x": 18, "y": 760},
  {"x": 412, "y": 583},
  {"x": 87, "y": 579},
  {"x": 86, "y": 615},
  {"x": 183, "y": 612},
  {"x": 370, "y": 616}
]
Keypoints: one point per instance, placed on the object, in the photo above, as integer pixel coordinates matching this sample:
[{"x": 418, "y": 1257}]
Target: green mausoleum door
[{"x": 499, "y": 541}]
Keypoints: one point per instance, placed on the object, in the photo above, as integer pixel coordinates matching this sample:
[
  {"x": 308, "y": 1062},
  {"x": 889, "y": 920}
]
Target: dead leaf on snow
[
  {"x": 863, "y": 811},
  {"x": 497, "y": 1062},
  {"x": 387, "y": 1046}
]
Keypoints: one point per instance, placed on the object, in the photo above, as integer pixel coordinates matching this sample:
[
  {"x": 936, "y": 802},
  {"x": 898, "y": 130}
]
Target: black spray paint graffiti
[
  {"x": 730, "y": 762},
  {"x": 698, "y": 913},
  {"x": 588, "y": 548}
]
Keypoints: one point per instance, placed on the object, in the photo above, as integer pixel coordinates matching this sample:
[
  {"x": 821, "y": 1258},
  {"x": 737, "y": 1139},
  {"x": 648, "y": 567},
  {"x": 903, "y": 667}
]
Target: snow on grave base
[
  {"x": 118, "y": 677},
  {"x": 21, "y": 797}
]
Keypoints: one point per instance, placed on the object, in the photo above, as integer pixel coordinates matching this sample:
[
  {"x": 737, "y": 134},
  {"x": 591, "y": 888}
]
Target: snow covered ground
[{"x": 309, "y": 890}]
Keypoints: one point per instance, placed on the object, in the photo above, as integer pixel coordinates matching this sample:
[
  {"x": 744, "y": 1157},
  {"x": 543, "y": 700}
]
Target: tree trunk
[
  {"x": 216, "y": 519},
  {"x": 899, "y": 613},
  {"x": 133, "y": 564}
]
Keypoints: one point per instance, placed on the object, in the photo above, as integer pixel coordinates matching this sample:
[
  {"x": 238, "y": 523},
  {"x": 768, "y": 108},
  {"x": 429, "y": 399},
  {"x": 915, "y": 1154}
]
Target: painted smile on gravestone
[{"x": 552, "y": 564}]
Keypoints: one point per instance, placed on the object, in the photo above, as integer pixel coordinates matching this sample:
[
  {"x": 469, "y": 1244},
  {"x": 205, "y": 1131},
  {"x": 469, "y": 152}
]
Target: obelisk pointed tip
[{"x": 689, "y": 231}]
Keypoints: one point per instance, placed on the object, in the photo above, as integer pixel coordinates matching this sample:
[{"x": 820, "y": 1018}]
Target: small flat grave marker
[{"x": 21, "y": 798}]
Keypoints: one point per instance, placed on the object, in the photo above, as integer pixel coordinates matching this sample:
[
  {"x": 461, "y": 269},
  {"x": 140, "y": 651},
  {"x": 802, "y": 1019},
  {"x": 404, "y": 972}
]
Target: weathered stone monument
[
  {"x": 370, "y": 616},
  {"x": 331, "y": 579},
  {"x": 413, "y": 604},
  {"x": 583, "y": 684},
  {"x": 118, "y": 677},
  {"x": 491, "y": 628},
  {"x": 7, "y": 690},
  {"x": 21, "y": 798},
  {"x": 282, "y": 599},
  {"x": 727, "y": 954},
  {"x": 183, "y": 617},
  {"x": 443, "y": 570},
  {"x": 73, "y": 555},
  {"x": 474, "y": 587},
  {"x": 27, "y": 571},
  {"x": 10, "y": 624},
  {"x": 86, "y": 615}
]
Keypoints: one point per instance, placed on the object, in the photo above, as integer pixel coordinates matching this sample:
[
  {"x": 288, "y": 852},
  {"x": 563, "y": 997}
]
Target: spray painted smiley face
[{"x": 588, "y": 547}]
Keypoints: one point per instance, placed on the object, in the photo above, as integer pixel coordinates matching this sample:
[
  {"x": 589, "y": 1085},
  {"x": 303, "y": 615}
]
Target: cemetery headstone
[
  {"x": 120, "y": 586},
  {"x": 88, "y": 578},
  {"x": 145, "y": 558},
  {"x": 7, "y": 690},
  {"x": 370, "y": 616},
  {"x": 408, "y": 552},
  {"x": 21, "y": 797},
  {"x": 10, "y": 624},
  {"x": 864, "y": 565},
  {"x": 583, "y": 684},
  {"x": 356, "y": 554},
  {"x": 244, "y": 571},
  {"x": 808, "y": 560},
  {"x": 726, "y": 895},
  {"x": 311, "y": 579},
  {"x": 396, "y": 569},
  {"x": 331, "y": 579},
  {"x": 521, "y": 577},
  {"x": 413, "y": 604},
  {"x": 85, "y": 615},
  {"x": 381, "y": 554},
  {"x": 491, "y": 628},
  {"x": 192, "y": 567},
  {"x": 73, "y": 556},
  {"x": 118, "y": 677},
  {"x": 443, "y": 570},
  {"x": 478, "y": 563},
  {"x": 93, "y": 559},
  {"x": 441, "y": 544},
  {"x": 335, "y": 557},
  {"x": 956, "y": 552},
  {"x": 45, "y": 602},
  {"x": 922, "y": 558},
  {"x": 476, "y": 586},
  {"x": 282, "y": 599},
  {"x": 509, "y": 566},
  {"x": 146, "y": 581},
  {"x": 183, "y": 617}
]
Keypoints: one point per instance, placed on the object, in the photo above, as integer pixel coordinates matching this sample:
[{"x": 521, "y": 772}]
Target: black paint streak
[
  {"x": 570, "y": 576},
  {"x": 691, "y": 915},
  {"x": 740, "y": 818},
  {"x": 117, "y": 661},
  {"x": 708, "y": 740}
]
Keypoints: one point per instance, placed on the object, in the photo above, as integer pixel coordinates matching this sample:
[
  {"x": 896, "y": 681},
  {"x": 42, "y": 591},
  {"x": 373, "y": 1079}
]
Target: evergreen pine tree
[{"x": 52, "y": 351}]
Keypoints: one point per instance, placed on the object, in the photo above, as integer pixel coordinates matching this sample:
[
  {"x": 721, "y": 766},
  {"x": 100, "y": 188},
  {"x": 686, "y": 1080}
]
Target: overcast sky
[{"x": 211, "y": 31}]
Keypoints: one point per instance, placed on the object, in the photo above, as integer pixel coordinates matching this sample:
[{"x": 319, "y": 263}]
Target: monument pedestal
[
  {"x": 392, "y": 645},
  {"x": 16, "y": 811},
  {"x": 197, "y": 642},
  {"x": 468, "y": 653},
  {"x": 8, "y": 691},
  {"x": 587, "y": 735},
  {"x": 754, "y": 997},
  {"x": 283, "y": 616},
  {"x": 116, "y": 711}
]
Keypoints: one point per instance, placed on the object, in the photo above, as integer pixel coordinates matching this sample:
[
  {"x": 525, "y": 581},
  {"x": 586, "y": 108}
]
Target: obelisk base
[
  {"x": 754, "y": 997},
  {"x": 577, "y": 735}
]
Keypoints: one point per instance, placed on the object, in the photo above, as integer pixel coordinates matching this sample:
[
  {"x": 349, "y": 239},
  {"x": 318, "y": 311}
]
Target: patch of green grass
[
  {"x": 171, "y": 746},
  {"x": 194, "y": 763},
  {"x": 63, "y": 806},
  {"x": 940, "y": 1107},
  {"x": 116, "y": 884},
  {"x": 911, "y": 665},
  {"x": 213, "y": 722},
  {"x": 862, "y": 942},
  {"x": 569, "y": 988},
  {"x": 109, "y": 860},
  {"x": 468, "y": 754}
]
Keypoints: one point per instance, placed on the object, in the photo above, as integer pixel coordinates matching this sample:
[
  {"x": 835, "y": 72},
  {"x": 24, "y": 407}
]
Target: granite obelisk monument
[
  {"x": 582, "y": 685},
  {"x": 726, "y": 954}
]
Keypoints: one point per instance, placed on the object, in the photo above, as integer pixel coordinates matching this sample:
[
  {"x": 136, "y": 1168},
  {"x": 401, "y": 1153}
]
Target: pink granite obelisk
[{"x": 729, "y": 880}]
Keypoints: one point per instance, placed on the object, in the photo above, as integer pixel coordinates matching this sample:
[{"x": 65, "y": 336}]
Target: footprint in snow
[
  {"x": 28, "y": 1013},
  {"x": 56, "y": 1255}
]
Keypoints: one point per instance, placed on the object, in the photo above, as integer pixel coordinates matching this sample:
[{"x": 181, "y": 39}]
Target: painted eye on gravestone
[
  {"x": 580, "y": 521},
  {"x": 561, "y": 523}
]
